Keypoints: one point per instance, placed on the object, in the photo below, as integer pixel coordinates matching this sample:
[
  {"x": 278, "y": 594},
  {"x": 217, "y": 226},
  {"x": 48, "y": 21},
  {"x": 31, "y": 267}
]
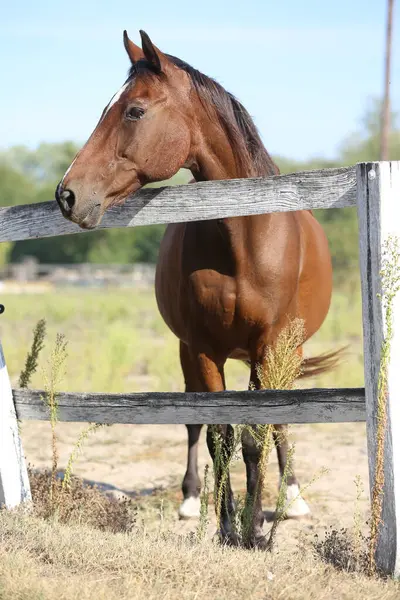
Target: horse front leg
[
  {"x": 191, "y": 484},
  {"x": 209, "y": 371}
]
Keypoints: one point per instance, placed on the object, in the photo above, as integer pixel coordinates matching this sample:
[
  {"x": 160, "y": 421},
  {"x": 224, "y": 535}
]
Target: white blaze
[
  {"x": 68, "y": 170},
  {"x": 116, "y": 97},
  {"x": 113, "y": 101}
]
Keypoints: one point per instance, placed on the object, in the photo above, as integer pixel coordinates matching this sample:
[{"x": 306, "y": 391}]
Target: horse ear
[
  {"x": 135, "y": 52},
  {"x": 152, "y": 53}
]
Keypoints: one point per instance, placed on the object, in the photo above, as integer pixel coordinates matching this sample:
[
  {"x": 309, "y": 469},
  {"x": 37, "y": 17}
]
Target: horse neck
[{"x": 216, "y": 159}]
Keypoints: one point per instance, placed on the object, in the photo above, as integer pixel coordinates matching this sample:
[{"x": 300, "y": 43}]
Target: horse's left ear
[
  {"x": 134, "y": 52},
  {"x": 153, "y": 54}
]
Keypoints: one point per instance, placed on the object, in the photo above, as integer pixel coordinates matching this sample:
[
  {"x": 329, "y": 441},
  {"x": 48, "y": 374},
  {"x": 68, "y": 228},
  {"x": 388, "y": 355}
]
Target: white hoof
[
  {"x": 297, "y": 506},
  {"x": 190, "y": 508}
]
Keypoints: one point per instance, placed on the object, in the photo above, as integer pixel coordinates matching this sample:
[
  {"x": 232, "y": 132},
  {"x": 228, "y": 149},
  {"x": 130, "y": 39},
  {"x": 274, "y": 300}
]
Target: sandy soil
[{"x": 148, "y": 462}]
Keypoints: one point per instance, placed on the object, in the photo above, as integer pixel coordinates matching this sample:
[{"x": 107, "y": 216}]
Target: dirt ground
[{"x": 147, "y": 462}]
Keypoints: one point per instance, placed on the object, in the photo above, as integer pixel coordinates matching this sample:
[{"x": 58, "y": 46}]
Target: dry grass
[
  {"x": 43, "y": 561},
  {"x": 340, "y": 549},
  {"x": 79, "y": 504},
  {"x": 46, "y": 559}
]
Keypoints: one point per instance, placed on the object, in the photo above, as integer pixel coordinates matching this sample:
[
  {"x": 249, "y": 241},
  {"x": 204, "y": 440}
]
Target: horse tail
[
  {"x": 316, "y": 365},
  {"x": 323, "y": 363}
]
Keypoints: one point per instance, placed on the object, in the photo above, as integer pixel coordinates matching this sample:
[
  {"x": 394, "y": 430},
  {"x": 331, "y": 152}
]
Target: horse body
[
  {"x": 225, "y": 287},
  {"x": 224, "y": 302}
]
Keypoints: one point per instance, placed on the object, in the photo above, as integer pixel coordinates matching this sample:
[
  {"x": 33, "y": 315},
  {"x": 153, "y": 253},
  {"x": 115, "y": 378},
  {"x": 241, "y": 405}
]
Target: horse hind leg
[{"x": 297, "y": 506}]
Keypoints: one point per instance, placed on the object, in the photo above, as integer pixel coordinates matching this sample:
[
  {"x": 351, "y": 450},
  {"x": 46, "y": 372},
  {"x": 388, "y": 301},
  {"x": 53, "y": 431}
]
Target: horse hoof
[
  {"x": 190, "y": 508},
  {"x": 297, "y": 506},
  {"x": 258, "y": 542},
  {"x": 228, "y": 538}
]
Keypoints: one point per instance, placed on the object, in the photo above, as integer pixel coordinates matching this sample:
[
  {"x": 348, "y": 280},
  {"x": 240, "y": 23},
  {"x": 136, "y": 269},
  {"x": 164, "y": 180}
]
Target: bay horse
[{"x": 225, "y": 287}]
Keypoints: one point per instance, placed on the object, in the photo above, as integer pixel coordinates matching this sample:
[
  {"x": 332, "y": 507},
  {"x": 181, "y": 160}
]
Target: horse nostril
[
  {"x": 68, "y": 197},
  {"x": 65, "y": 199}
]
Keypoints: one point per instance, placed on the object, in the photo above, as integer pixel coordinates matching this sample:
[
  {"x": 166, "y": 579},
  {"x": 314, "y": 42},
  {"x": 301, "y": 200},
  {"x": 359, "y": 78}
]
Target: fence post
[
  {"x": 14, "y": 482},
  {"x": 378, "y": 203}
]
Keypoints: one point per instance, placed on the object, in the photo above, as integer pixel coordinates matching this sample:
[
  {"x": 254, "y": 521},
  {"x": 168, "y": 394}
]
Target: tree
[{"x": 31, "y": 176}]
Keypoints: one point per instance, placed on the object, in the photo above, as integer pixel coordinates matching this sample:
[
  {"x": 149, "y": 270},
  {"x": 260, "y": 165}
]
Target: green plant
[
  {"x": 31, "y": 363},
  {"x": 281, "y": 366},
  {"x": 52, "y": 379},
  {"x": 83, "y": 436},
  {"x": 204, "y": 502},
  {"x": 226, "y": 451}
]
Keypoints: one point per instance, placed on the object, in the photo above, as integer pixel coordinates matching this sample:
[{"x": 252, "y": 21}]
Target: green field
[{"x": 117, "y": 341}]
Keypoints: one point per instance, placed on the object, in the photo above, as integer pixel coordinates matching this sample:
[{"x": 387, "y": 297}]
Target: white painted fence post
[
  {"x": 378, "y": 202},
  {"x": 14, "y": 482}
]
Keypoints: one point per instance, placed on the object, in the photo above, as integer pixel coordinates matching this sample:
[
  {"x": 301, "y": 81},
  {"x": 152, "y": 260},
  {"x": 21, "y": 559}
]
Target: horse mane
[{"x": 250, "y": 154}]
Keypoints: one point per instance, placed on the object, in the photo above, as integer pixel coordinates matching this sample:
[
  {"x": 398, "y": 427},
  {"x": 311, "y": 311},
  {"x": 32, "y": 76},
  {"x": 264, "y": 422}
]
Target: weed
[
  {"x": 337, "y": 548},
  {"x": 390, "y": 286},
  {"x": 204, "y": 502},
  {"x": 82, "y": 504},
  {"x": 52, "y": 378},
  {"x": 31, "y": 362},
  {"x": 91, "y": 428}
]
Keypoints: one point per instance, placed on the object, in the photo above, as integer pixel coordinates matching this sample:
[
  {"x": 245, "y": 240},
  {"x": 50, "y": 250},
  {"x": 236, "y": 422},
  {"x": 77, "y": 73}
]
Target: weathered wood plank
[
  {"x": 297, "y": 406},
  {"x": 327, "y": 188},
  {"x": 378, "y": 186},
  {"x": 14, "y": 482}
]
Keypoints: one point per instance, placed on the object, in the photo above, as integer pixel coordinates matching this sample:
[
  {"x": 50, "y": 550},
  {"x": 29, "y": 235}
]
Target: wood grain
[
  {"x": 327, "y": 188},
  {"x": 378, "y": 187},
  {"x": 297, "y": 406}
]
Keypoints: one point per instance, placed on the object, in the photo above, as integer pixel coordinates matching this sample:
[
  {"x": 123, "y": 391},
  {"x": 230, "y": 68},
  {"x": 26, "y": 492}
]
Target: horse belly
[{"x": 168, "y": 281}]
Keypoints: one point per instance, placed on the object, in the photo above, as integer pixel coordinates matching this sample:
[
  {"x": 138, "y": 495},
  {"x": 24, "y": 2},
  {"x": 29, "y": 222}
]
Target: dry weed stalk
[
  {"x": 83, "y": 436},
  {"x": 225, "y": 453},
  {"x": 358, "y": 550},
  {"x": 345, "y": 550},
  {"x": 282, "y": 365},
  {"x": 204, "y": 501},
  {"x": 52, "y": 379},
  {"x": 390, "y": 286}
]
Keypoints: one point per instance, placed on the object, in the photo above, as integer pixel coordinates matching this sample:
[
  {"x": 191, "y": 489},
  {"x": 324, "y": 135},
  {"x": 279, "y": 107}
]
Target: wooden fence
[
  {"x": 374, "y": 188},
  {"x": 84, "y": 274}
]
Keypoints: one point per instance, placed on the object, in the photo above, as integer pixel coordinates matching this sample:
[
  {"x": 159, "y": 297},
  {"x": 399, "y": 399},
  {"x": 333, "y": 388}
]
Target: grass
[
  {"x": 112, "y": 341},
  {"x": 117, "y": 342},
  {"x": 43, "y": 561}
]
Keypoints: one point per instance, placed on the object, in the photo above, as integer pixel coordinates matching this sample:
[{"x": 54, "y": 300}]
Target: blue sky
[{"x": 304, "y": 69}]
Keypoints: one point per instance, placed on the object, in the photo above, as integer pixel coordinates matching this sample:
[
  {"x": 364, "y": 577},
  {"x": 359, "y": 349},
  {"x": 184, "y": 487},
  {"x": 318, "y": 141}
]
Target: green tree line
[{"x": 28, "y": 176}]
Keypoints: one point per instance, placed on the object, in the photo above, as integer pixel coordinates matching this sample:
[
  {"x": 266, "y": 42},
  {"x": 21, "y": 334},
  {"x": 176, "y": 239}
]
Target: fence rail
[
  {"x": 266, "y": 406},
  {"x": 375, "y": 189},
  {"x": 328, "y": 188}
]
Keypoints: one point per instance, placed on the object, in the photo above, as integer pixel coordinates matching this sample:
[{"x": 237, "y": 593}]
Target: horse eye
[{"x": 134, "y": 113}]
